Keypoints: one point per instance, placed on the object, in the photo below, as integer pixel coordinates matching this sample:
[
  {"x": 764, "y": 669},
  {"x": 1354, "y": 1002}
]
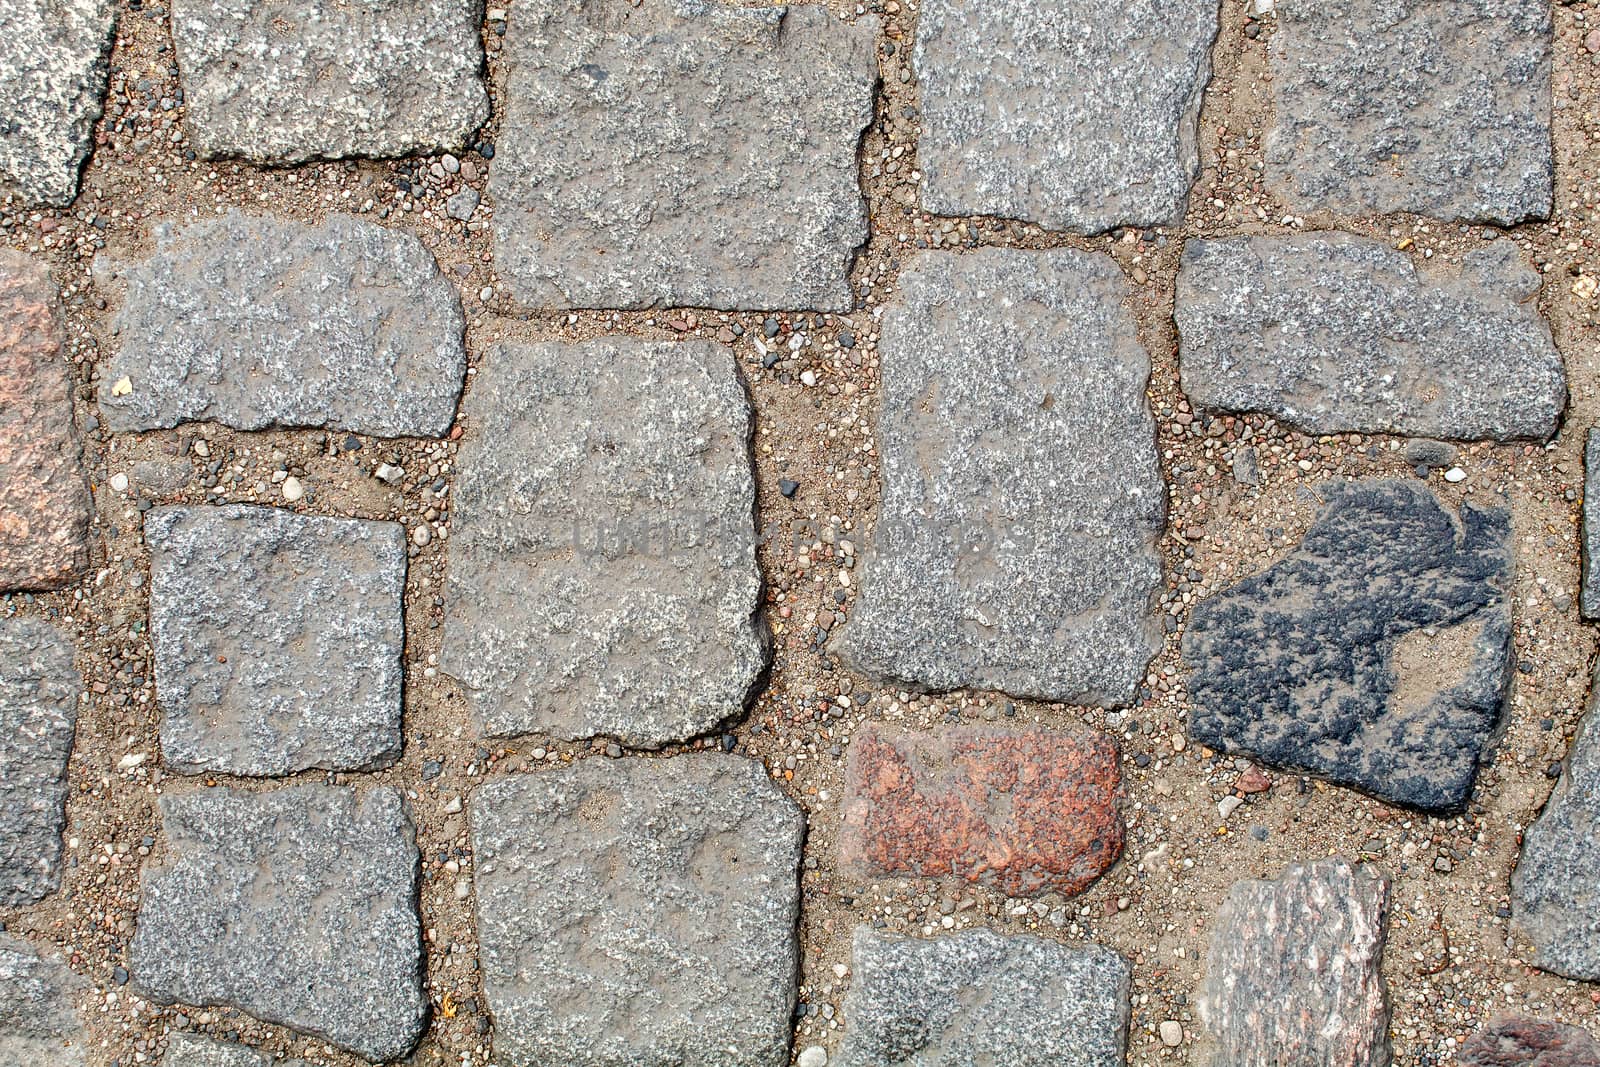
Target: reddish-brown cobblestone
[{"x": 1530, "y": 1043}]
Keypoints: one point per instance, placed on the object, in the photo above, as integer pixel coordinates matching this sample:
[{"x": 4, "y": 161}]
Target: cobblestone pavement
[{"x": 1019, "y": 533}]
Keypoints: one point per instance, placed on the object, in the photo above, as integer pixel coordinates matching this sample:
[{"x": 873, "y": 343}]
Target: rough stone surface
[
  {"x": 1027, "y": 812},
  {"x": 1441, "y": 107},
  {"x": 298, "y": 906},
  {"x": 639, "y": 912},
  {"x": 975, "y": 997},
  {"x": 257, "y": 84},
  {"x": 1377, "y": 654},
  {"x": 191, "y": 1050},
  {"x": 1022, "y": 498},
  {"x": 1589, "y": 595},
  {"x": 1529, "y": 1043},
  {"x": 39, "y": 689},
  {"x": 681, "y": 154},
  {"x": 1335, "y": 333},
  {"x": 1075, "y": 115},
  {"x": 277, "y": 639},
  {"x": 38, "y": 1023},
  {"x": 256, "y": 322},
  {"x": 44, "y": 500},
  {"x": 1293, "y": 974},
  {"x": 603, "y": 575},
  {"x": 53, "y": 67}
]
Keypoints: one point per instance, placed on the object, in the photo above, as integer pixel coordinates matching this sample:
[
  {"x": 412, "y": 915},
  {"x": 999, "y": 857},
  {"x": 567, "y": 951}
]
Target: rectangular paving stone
[
  {"x": 669, "y": 154},
  {"x": 975, "y": 997},
  {"x": 44, "y": 499},
  {"x": 603, "y": 575},
  {"x": 257, "y": 322},
  {"x": 277, "y": 639},
  {"x": 1075, "y": 115},
  {"x": 1589, "y": 594},
  {"x": 192, "y": 1050},
  {"x": 297, "y": 906},
  {"x": 1025, "y": 811},
  {"x": 1439, "y": 107},
  {"x": 1334, "y": 333},
  {"x": 39, "y": 1023},
  {"x": 639, "y": 912},
  {"x": 53, "y": 69},
  {"x": 257, "y": 77},
  {"x": 1015, "y": 545},
  {"x": 39, "y": 690}
]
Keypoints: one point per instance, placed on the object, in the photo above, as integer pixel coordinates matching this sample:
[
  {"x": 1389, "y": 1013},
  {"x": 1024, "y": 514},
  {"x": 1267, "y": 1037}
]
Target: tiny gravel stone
[
  {"x": 1455, "y": 474},
  {"x": 292, "y": 489},
  {"x": 1377, "y": 654},
  {"x": 1589, "y": 596},
  {"x": 639, "y": 911},
  {"x": 814, "y": 1056},
  {"x": 1529, "y": 1043},
  {"x": 38, "y": 1024},
  {"x": 297, "y": 906},
  {"x": 788, "y": 486},
  {"x": 1293, "y": 973},
  {"x": 1171, "y": 1033},
  {"x": 1334, "y": 333},
  {"x": 277, "y": 639},
  {"x": 976, "y": 997},
  {"x": 257, "y": 322},
  {"x": 39, "y": 689},
  {"x": 1246, "y": 467},
  {"x": 462, "y": 204}
]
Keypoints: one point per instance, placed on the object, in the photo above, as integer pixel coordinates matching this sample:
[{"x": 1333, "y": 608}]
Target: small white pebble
[
  {"x": 119, "y": 482},
  {"x": 421, "y": 535},
  {"x": 1172, "y": 1033},
  {"x": 815, "y": 1056},
  {"x": 292, "y": 489},
  {"x": 1228, "y": 805},
  {"x": 1455, "y": 474}
]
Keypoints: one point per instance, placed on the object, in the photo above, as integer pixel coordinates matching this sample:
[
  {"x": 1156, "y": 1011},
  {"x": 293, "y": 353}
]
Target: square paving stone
[
  {"x": 639, "y": 912},
  {"x": 976, "y": 997},
  {"x": 603, "y": 575},
  {"x": 1439, "y": 107},
  {"x": 1072, "y": 114},
  {"x": 657, "y": 153},
  {"x": 297, "y": 906},
  {"x": 39, "y": 690},
  {"x": 53, "y": 68},
  {"x": 277, "y": 639},
  {"x": 39, "y": 1024},
  {"x": 1015, "y": 546},
  {"x": 282, "y": 81},
  {"x": 44, "y": 499}
]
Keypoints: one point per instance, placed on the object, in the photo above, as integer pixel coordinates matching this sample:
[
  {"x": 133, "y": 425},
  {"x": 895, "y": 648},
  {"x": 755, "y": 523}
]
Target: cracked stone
[
  {"x": 53, "y": 70},
  {"x": 38, "y": 1023},
  {"x": 39, "y": 689},
  {"x": 1529, "y": 1043}
]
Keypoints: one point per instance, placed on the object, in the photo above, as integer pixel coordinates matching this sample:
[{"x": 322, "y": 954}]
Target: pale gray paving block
[
  {"x": 681, "y": 153},
  {"x": 603, "y": 575},
  {"x": 277, "y": 639},
  {"x": 39, "y": 690},
  {"x": 297, "y": 906},
  {"x": 1334, "y": 333},
  {"x": 257, "y": 322},
  {"x": 1589, "y": 595},
  {"x": 192, "y": 1050},
  {"x": 283, "y": 81},
  {"x": 639, "y": 912},
  {"x": 39, "y": 1025},
  {"x": 1072, "y": 114},
  {"x": 1015, "y": 548}
]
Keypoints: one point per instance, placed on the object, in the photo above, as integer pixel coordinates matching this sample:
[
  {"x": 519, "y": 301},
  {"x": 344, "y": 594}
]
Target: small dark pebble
[
  {"x": 788, "y": 486},
  {"x": 770, "y": 326},
  {"x": 431, "y": 769}
]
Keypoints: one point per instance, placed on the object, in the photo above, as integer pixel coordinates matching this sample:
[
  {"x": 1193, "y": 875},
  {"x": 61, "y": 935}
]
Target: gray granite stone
[
  {"x": 298, "y": 906},
  {"x": 1377, "y": 654},
  {"x": 1074, "y": 115},
  {"x": 39, "y": 690},
  {"x": 259, "y": 77},
  {"x": 1589, "y": 595},
  {"x": 639, "y": 912},
  {"x": 53, "y": 66},
  {"x": 975, "y": 997},
  {"x": 667, "y": 153},
  {"x": 1555, "y": 890},
  {"x": 1015, "y": 547},
  {"x": 192, "y": 1050},
  {"x": 257, "y": 322},
  {"x": 277, "y": 639},
  {"x": 1335, "y": 333},
  {"x": 603, "y": 575},
  {"x": 1440, "y": 107},
  {"x": 39, "y": 1026},
  {"x": 1294, "y": 971}
]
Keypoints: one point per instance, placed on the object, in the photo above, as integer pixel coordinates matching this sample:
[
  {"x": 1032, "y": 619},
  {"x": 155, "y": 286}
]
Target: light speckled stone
[
  {"x": 975, "y": 997},
  {"x": 681, "y": 154},
  {"x": 1335, "y": 333},
  {"x": 288, "y": 80},
  {"x": 1022, "y": 499},
  {"x": 639, "y": 912},
  {"x": 1589, "y": 594},
  {"x": 53, "y": 65},
  {"x": 297, "y": 906},
  {"x": 191, "y": 1050},
  {"x": 603, "y": 574},
  {"x": 277, "y": 639},
  {"x": 1075, "y": 115},
  {"x": 256, "y": 322},
  {"x": 1441, "y": 107},
  {"x": 1294, "y": 971},
  {"x": 39, "y": 1027},
  {"x": 39, "y": 690}
]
